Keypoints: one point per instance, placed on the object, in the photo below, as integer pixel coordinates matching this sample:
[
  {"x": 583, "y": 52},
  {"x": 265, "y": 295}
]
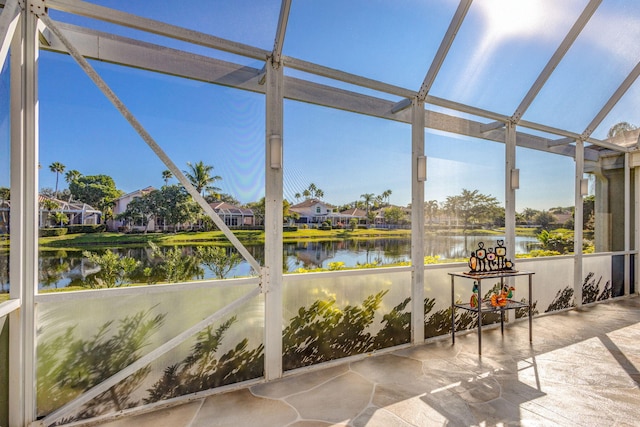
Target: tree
[
  {"x": 216, "y": 259},
  {"x": 222, "y": 197},
  {"x": 258, "y": 209},
  {"x": 385, "y": 196},
  {"x": 431, "y": 209},
  {"x": 472, "y": 207},
  {"x": 96, "y": 190},
  {"x": 5, "y": 195},
  {"x": 57, "y": 168},
  {"x": 49, "y": 205},
  {"x": 394, "y": 215},
  {"x": 589, "y": 216},
  {"x": 114, "y": 269},
  {"x": 166, "y": 176},
  {"x": 529, "y": 214},
  {"x": 71, "y": 176},
  {"x": 200, "y": 177},
  {"x": 142, "y": 208},
  {"x": 368, "y": 198},
  {"x": 544, "y": 219},
  {"x": 312, "y": 191},
  {"x": 175, "y": 265},
  {"x": 175, "y": 205},
  {"x": 59, "y": 218},
  {"x": 288, "y": 214}
]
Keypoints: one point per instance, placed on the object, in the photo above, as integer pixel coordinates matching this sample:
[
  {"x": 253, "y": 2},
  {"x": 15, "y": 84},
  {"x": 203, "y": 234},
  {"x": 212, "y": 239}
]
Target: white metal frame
[{"x": 19, "y": 26}]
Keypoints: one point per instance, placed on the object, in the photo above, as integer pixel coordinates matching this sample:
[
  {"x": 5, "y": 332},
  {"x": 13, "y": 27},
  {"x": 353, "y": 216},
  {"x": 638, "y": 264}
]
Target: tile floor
[{"x": 581, "y": 370}]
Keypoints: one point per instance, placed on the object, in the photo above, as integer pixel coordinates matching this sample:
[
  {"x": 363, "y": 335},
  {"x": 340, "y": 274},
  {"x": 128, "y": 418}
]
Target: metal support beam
[
  {"x": 133, "y": 53},
  {"x": 274, "y": 220},
  {"x": 106, "y": 14},
  {"x": 401, "y": 105},
  {"x": 320, "y": 70},
  {"x": 417, "y": 224},
  {"x": 444, "y": 47},
  {"x": 491, "y": 126},
  {"x": 562, "y": 141},
  {"x": 24, "y": 219},
  {"x": 568, "y": 134},
  {"x": 578, "y": 224},
  {"x": 281, "y": 30},
  {"x": 510, "y": 192},
  {"x": 17, "y": 230},
  {"x": 8, "y": 21}
]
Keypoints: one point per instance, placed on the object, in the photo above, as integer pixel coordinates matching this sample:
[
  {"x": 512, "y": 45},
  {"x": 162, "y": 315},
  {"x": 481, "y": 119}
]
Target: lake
[{"x": 59, "y": 269}]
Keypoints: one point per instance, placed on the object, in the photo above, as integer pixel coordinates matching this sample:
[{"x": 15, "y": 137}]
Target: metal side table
[{"x": 485, "y": 306}]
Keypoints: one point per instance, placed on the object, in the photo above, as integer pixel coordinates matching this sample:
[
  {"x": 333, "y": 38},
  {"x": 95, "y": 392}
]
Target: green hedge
[
  {"x": 90, "y": 228},
  {"x": 52, "y": 232}
]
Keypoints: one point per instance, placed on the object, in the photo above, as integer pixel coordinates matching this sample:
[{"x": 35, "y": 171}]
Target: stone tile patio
[{"x": 581, "y": 370}]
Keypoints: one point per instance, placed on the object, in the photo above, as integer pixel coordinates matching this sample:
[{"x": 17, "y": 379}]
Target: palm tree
[
  {"x": 71, "y": 176},
  {"x": 431, "y": 209},
  {"x": 200, "y": 177},
  {"x": 166, "y": 176},
  {"x": 57, "y": 168},
  {"x": 385, "y": 195},
  {"x": 368, "y": 198},
  {"x": 297, "y": 196},
  {"x": 528, "y": 214}
]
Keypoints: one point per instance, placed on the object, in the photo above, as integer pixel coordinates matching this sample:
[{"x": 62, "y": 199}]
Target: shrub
[
  {"x": 87, "y": 228},
  {"x": 535, "y": 253},
  {"x": 52, "y": 232},
  {"x": 558, "y": 240},
  {"x": 290, "y": 228}
]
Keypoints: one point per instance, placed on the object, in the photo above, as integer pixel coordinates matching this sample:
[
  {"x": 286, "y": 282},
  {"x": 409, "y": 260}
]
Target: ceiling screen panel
[
  {"x": 390, "y": 41},
  {"x": 500, "y": 50},
  {"x": 604, "y": 54}
]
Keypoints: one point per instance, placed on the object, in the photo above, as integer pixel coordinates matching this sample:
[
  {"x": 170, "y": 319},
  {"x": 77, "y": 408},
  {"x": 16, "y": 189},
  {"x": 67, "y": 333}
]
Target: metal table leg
[
  {"x": 453, "y": 315},
  {"x": 479, "y": 316},
  {"x": 501, "y": 310},
  {"x": 530, "y": 311}
]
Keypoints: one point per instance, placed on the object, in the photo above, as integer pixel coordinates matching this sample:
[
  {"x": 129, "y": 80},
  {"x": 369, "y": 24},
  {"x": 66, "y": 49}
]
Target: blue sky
[{"x": 501, "y": 48}]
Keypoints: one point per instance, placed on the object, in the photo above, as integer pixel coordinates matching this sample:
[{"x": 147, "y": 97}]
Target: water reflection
[{"x": 60, "y": 269}]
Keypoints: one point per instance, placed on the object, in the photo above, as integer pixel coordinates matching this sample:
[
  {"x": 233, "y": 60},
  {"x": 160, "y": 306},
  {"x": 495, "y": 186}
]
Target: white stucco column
[{"x": 627, "y": 223}]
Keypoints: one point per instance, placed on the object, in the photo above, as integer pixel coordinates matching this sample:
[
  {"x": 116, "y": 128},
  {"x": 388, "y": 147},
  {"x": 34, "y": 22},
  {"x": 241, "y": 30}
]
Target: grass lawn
[{"x": 109, "y": 239}]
